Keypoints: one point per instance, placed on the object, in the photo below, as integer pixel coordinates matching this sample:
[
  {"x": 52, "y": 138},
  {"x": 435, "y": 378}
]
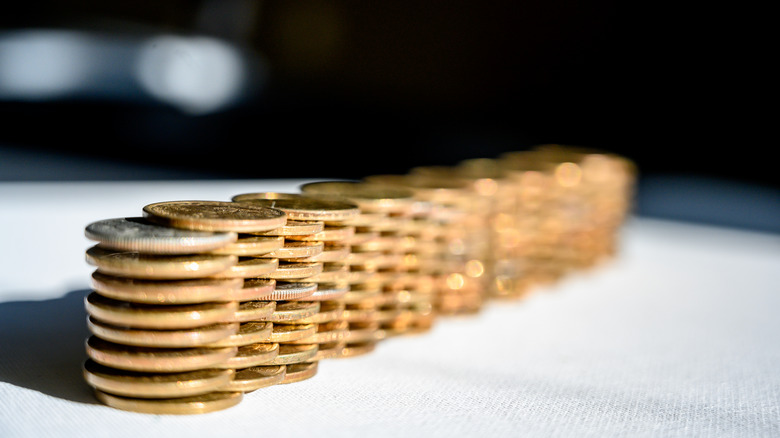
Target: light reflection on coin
[
  {"x": 253, "y": 289},
  {"x": 252, "y": 355},
  {"x": 297, "y": 250},
  {"x": 292, "y": 332},
  {"x": 186, "y": 338},
  {"x": 330, "y": 253},
  {"x": 289, "y": 354},
  {"x": 299, "y": 372},
  {"x": 293, "y": 310},
  {"x": 253, "y": 311},
  {"x": 293, "y": 291},
  {"x": 247, "y": 333},
  {"x": 369, "y": 197},
  {"x": 199, "y": 404},
  {"x": 162, "y": 360},
  {"x": 198, "y": 290},
  {"x": 328, "y": 234},
  {"x": 304, "y": 208},
  {"x": 290, "y": 271},
  {"x": 352, "y": 350},
  {"x": 251, "y": 245},
  {"x": 295, "y": 228},
  {"x": 158, "y": 267},
  {"x": 254, "y": 378},
  {"x": 138, "y": 234},
  {"x": 151, "y": 316},
  {"x": 215, "y": 216},
  {"x": 249, "y": 267}
]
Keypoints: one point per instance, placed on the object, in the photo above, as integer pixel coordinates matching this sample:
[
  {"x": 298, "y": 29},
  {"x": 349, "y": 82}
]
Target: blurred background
[{"x": 194, "y": 89}]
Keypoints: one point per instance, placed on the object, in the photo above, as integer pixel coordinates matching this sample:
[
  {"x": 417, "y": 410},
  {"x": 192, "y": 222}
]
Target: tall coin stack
[{"x": 197, "y": 303}]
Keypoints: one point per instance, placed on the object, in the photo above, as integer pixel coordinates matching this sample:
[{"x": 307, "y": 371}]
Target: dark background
[{"x": 358, "y": 88}]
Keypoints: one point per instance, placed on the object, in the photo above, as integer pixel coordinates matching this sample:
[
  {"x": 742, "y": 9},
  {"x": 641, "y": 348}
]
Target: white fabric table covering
[{"x": 677, "y": 336}]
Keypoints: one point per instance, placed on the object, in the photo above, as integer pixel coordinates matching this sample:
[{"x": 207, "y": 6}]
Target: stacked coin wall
[{"x": 199, "y": 302}]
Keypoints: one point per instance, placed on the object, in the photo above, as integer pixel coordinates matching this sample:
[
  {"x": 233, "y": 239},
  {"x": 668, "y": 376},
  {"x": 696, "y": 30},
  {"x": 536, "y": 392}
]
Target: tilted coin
[
  {"x": 329, "y": 234},
  {"x": 300, "y": 371},
  {"x": 254, "y": 289},
  {"x": 289, "y": 354},
  {"x": 159, "y": 360},
  {"x": 369, "y": 197},
  {"x": 297, "y": 250},
  {"x": 325, "y": 291},
  {"x": 253, "y": 311},
  {"x": 251, "y": 332},
  {"x": 295, "y": 228},
  {"x": 287, "y": 311},
  {"x": 135, "y": 290},
  {"x": 158, "y": 267},
  {"x": 183, "y": 338},
  {"x": 154, "y": 385},
  {"x": 249, "y": 267},
  {"x": 215, "y": 216},
  {"x": 152, "y": 316},
  {"x": 251, "y": 356},
  {"x": 254, "y": 378},
  {"x": 138, "y": 234},
  {"x": 293, "y": 291},
  {"x": 251, "y": 245},
  {"x": 292, "y": 332},
  {"x": 291, "y": 271},
  {"x": 304, "y": 208},
  {"x": 199, "y": 404}
]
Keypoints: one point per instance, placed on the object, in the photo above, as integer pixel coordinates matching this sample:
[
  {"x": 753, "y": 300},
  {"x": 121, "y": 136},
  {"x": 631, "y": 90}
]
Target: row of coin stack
[{"x": 199, "y": 302}]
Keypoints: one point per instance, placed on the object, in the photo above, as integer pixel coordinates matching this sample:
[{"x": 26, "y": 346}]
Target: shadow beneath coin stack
[{"x": 42, "y": 346}]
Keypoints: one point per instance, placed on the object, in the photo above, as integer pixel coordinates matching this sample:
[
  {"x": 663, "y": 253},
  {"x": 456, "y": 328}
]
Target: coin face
[
  {"x": 185, "y": 338},
  {"x": 369, "y": 197},
  {"x": 199, "y": 404},
  {"x": 150, "y": 316},
  {"x": 251, "y": 245},
  {"x": 199, "y": 290},
  {"x": 156, "y": 360},
  {"x": 254, "y": 378},
  {"x": 304, "y": 208},
  {"x": 300, "y": 371},
  {"x": 215, "y": 216},
  {"x": 138, "y": 234},
  {"x": 157, "y": 267},
  {"x": 154, "y": 385}
]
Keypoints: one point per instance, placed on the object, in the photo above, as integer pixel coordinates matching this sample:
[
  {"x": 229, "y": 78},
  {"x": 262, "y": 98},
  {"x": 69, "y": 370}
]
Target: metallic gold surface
[
  {"x": 253, "y": 378},
  {"x": 297, "y": 250},
  {"x": 295, "y": 228},
  {"x": 195, "y": 337},
  {"x": 251, "y": 245},
  {"x": 304, "y": 208},
  {"x": 289, "y": 333},
  {"x": 253, "y": 289},
  {"x": 247, "y": 333},
  {"x": 249, "y": 267},
  {"x": 292, "y": 271},
  {"x": 253, "y": 311},
  {"x": 251, "y": 355},
  {"x": 214, "y": 216},
  {"x": 290, "y": 354},
  {"x": 157, "y": 267},
  {"x": 300, "y": 371},
  {"x": 165, "y": 292},
  {"x": 288, "y": 311},
  {"x": 199, "y": 404}
]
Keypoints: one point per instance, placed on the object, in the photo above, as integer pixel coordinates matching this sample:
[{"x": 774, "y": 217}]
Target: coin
[
  {"x": 289, "y": 354},
  {"x": 328, "y": 351},
  {"x": 293, "y": 291},
  {"x": 252, "y": 355},
  {"x": 199, "y": 404},
  {"x": 251, "y": 245},
  {"x": 194, "y": 337},
  {"x": 152, "y": 316},
  {"x": 138, "y": 234},
  {"x": 254, "y": 378},
  {"x": 157, "y": 267},
  {"x": 330, "y": 253},
  {"x": 362, "y": 332},
  {"x": 300, "y": 371},
  {"x": 326, "y": 291},
  {"x": 249, "y": 267},
  {"x": 251, "y": 332},
  {"x": 253, "y": 289},
  {"x": 154, "y": 385},
  {"x": 291, "y": 271},
  {"x": 328, "y": 234},
  {"x": 331, "y": 273},
  {"x": 329, "y": 311},
  {"x": 352, "y": 350},
  {"x": 326, "y": 333},
  {"x": 292, "y": 332},
  {"x": 215, "y": 216},
  {"x": 253, "y": 311},
  {"x": 199, "y": 290},
  {"x": 295, "y": 228},
  {"x": 304, "y": 208},
  {"x": 369, "y": 197},
  {"x": 160, "y": 360},
  {"x": 296, "y": 250},
  {"x": 287, "y": 311}
]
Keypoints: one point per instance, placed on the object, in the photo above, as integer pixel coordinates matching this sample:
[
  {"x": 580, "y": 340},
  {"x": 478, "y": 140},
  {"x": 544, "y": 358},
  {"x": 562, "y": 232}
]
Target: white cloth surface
[{"x": 678, "y": 335}]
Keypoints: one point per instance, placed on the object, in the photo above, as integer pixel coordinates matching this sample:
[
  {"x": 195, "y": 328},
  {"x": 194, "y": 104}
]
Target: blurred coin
[
  {"x": 154, "y": 385},
  {"x": 326, "y": 291},
  {"x": 251, "y": 245},
  {"x": 304, "y": 208},
  {"x": 215, "y": 216},
  {"x": 352, "y": 350},
  {"x": 157, "y": 267},
  {"x": 330, "y": 253},
  {"x": 247, "y": 333},
  {"x": 135, "y": 290},
  {"x": 369, "y": 197},
  {"x": 291, "y": 271},
  {"x": 249, "y": 267},
  {"x": 199, "y": 404},
  {"x": 296, "y": 250},
  {"x": 252, "y": 355},
  {"x": 300, "y": 371},
  {"x": 328, "y": 351},
  {"x": 331, "y": 273},
  {"x": 254, "y": 378},
  {"x": 287, "y": 311},
  {"x": 253, "y": 311},
  {"x": 138, "y": 234},
  {"x": 328, "y": 234},
  {"x": 326, "y": 333},
  {"x": 194, "y": 337},
  {"x": 292, "y": 332},
  {"x": 161, "y": 360},
  {"x": 295, "y": 228},
  {"x": 329, "y": 311}
]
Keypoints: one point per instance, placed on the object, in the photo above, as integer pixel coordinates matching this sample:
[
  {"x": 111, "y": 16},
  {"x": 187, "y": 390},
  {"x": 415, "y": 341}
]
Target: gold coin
[
  {"x": 362, "y": 332},
  {"x": 215, "y": 216},
  {"x": 252, "y": 355},
  {"x": 157, "y": 267},
  {"x": 155, "y": 360},
  {"x": 293, "y": 271},
  {"x": 329, "y": 234},
  {"x": 296, "y": 250},
  {"x": 368, "y": 258},
  {"x": 329, "y": 254},
  {"x": 247, "y": 333},
  {"x": 199, "y": 404},
  {"x": 331, "y": 273},
  {"x": 251, "y": 245},
  {"x": 326, "y": 333},
  {"x": 289, "y": 354},
  {"x": 300, "y": 371},
  {"x": 253, "y": 311},
  {"x": 195, "y": 337},
  {"x": 304, "y": 208},
  {"x": 293, "y": 291},
  {"x": 151, "y": 385},
  {"x": 139, "y": 235},
  {"x": 358, "y": 296},
  {"x": 292, "y": 332},
  {"x": 199, "y": 290},
  {"x": 253, "y": 289},
  {"x": 361, "y": 237},
  {"x": 369, "y": 197},
  {"x": 329, "y": 311},
  {"x": 353, "y": 350},
  {"x": 253, "y": 378},
  {"x": 152, "y": 316},
  {"x": 249, "y": 267},
  {"x": 381, "y": 243},
  {"x": 326, "y": 291},
  {"x": 295, "y": 228},
  {"x": 288, "y": 311},
  {"x": 353, "y": 313},
  {"x": 328, "y": 351}
]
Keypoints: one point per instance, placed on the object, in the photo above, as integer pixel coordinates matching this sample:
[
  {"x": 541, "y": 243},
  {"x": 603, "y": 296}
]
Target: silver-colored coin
[{"x": 138, "y": 234}]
